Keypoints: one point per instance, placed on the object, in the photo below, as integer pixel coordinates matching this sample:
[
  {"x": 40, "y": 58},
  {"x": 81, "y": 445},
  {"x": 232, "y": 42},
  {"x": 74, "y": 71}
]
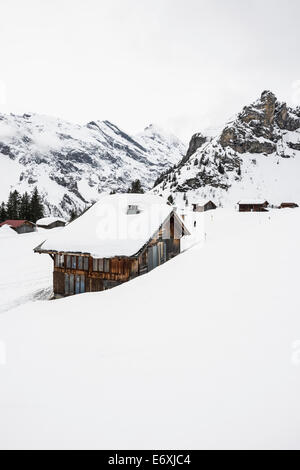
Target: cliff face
[
  {"x": 258, "y": 127},
  {"x": 260, "y": 138},
  {"x": 196, "y": 142}
]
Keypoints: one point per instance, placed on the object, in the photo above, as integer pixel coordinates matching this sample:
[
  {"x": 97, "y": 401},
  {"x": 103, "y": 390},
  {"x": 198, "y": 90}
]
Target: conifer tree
[
  {"x": 221, "y": 169},
  {"x": 171, "y": 199},
  {"x": 36, "y": 206},
  {"x": 13, "y": 205},
  {"x": 25, "y": 207},
  {"x": 3, "y": 213},
  {"x": 136, "y": 187}
]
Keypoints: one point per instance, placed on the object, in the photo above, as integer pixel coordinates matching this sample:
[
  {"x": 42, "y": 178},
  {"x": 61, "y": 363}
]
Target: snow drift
[{"x": 202, "y": 352}]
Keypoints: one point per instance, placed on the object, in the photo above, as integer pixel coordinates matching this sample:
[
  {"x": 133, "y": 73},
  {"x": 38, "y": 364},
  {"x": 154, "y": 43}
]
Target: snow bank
[
  {"x": 203, "y": 352},
  {"x": 7, "y": 231},
  {"x": 24, "y": 276}
]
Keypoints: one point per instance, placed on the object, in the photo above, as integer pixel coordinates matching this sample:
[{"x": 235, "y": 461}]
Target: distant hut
[
  {"x": 20, "y": 226},
  {"x": 203, "y": 206},
  {"x": 119, "y": 238},
  {"x": 289, "y": 205},
  {"x": 50, "y": 222},
  {"x": 253, "y": 206}
]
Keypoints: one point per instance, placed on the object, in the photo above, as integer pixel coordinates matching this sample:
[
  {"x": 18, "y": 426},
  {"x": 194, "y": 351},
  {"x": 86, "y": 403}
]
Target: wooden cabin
[
  {"x": 99, "y": 263},
  {"x": 50, "y": 222},
  {"x": 253, "y": 206},
  {"x": 288, "y": 205},
  {"x": 204, "y": 206},
  {"x": 20, "y": 226}
]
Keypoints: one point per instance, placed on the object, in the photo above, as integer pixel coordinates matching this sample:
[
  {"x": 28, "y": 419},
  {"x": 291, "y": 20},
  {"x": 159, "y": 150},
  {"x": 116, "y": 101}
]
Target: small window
[
  {"x": 56, "y": 261},
  {"x": 74, "y": 264},
  {"x": 66, "y": 284},
  {"x": 106, "y": 265},
  {"x": 59, "y": 261},
  {"x": 100, "y": 265},
  {"x": 71, "y": 291},
  {"x": 80, "y": 263},
  {"x": 69, "y": 262},
  {"x": 82, "y": 283},
  {"x": 95, "y": 264},
  {"x": 86, "y": 263}
]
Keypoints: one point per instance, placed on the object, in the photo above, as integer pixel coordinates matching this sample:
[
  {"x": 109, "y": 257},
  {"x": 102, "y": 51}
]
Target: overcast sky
[{"x": 183, "y": 64}]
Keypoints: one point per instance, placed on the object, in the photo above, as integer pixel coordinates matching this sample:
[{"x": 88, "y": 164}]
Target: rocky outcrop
[
  {"x": 196, "y": 142},
  {"x": 257, "y": 128},
  {"x": 264, "y": 128}
]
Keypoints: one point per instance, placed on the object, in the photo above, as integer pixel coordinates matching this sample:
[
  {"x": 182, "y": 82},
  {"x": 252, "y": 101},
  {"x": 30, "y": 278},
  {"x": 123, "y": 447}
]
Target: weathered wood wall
[{"x": 97, "y": 275}]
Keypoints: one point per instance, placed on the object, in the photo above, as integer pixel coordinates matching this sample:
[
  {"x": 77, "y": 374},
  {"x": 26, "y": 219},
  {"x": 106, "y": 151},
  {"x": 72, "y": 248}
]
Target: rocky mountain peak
[
  {"x": 257, "y": 128},
  {"x": 260, "y": 137},
  {"x": 196, "y": 142}
]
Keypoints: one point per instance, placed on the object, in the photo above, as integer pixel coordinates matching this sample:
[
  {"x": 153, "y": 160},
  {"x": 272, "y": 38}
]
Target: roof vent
[{"x": 131, "y": 210}]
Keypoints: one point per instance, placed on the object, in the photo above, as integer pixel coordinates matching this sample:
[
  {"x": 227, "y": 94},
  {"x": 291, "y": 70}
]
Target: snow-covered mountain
[
  {"x": 257, "y": 154},
  {"x": 71, "y": 164}
]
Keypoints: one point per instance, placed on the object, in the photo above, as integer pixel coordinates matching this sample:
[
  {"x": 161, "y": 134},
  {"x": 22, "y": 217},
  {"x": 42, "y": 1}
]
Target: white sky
[{"x": 183, "y": 64}]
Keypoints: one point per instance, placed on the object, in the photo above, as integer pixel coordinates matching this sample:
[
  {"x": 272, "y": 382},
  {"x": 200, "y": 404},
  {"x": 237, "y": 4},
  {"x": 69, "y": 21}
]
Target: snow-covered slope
[
  {"x": 257, "y": 155},
  {"x": 73, "y": 164},
  {"x": 161, "y": 145},
  {"x": 203, "y": 352},
  {"x": 23, "y": 277}
]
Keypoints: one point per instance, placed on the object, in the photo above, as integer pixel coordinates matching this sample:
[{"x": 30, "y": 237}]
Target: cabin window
[
  {"x": 79, "y": 284},
  {"x": 71, "y": 287},
  {"x": 100, "y": 265},
  {"x": 95, "y": 264},
  {"x": 80, "y": 263},
  {"x": 86, "y": 263},
  {"x": 82, "y": 283},
  {"x": 59, "y": 261},
  {"x": 74, "y": 264},
  {"x": 66, "y": 284},
  {"x": 74, "y": 284},
  {"x": 162, "y": 252},
  {"x": 69, "y": 262},
  {"x": 106, "y": 265}
]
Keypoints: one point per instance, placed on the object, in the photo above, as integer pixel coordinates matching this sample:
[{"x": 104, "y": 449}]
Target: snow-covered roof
[
  {"x": 201, "y": 202},
  {"x": 49, "y": 220},
  {"x": 106, "y": 230},
  {"x": 15, "y": 223},
  {"x": 253, "y": 201},
  {"x": 7, "y": 231}
]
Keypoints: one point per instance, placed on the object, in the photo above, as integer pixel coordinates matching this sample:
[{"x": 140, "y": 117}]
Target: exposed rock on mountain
[
  {"x": 248, "y": 157},
  {"x": 196, "y": 141}
]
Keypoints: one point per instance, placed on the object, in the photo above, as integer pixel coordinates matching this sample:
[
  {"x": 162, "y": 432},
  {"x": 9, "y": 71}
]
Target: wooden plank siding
[{"x": 83, "y": 272}]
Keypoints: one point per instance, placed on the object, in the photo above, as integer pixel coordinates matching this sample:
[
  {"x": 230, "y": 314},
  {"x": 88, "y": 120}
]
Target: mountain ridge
[
  {"x": 72, "y": 164},
  {"x": 243, "y": 159}
]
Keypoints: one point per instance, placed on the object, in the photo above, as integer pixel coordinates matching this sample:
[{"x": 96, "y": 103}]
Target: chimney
[{"x": 133, "y": 210}]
